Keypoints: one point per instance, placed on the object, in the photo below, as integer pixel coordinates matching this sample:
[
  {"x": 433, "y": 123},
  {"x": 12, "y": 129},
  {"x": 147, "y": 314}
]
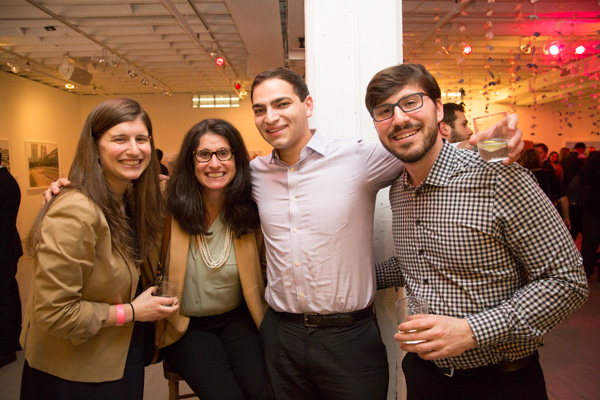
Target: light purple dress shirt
[{"x": 317, "y": 220}]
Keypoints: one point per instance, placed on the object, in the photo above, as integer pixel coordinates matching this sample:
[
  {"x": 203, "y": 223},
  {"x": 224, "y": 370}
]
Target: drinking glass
[
  {"x": 410, "y": 305},
  {"x": 495, "y": 146}
]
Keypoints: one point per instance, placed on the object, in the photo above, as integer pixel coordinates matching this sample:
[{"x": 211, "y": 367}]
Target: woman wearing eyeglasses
[{"x": 215, "y": 251}]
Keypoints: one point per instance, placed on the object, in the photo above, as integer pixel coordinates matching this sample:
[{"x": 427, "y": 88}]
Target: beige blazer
[
  {"x": 76, "y": 275},
  {"x": 248, "y": 253}
]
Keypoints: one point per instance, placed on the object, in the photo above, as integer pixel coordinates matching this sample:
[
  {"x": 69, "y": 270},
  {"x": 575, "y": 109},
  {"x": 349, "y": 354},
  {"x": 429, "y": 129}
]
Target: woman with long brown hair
[
  {"x": 215, "y": 251},
  {"x": 80, "y": 333}
]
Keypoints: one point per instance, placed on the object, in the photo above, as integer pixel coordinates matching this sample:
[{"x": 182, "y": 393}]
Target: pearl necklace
[{"x": 205, "y": 253}]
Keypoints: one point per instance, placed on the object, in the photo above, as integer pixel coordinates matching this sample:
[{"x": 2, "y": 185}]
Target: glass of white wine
[{"x": 494, "y": 147}]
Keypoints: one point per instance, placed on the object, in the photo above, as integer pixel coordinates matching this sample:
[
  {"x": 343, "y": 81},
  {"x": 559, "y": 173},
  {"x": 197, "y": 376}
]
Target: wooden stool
[{"x": 174, "y": 378}]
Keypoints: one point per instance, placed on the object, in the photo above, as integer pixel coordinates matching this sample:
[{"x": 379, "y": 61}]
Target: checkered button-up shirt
[{"x": 481, "y": 241}]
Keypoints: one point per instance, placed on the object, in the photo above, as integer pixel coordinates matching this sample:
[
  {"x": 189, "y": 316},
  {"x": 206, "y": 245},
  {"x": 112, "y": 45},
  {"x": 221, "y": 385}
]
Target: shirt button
[
  {"x": 293, "y": 198},
  {"x": 301, "y": 295},
  {"x": 194, "y": 280},
  {"x": 196, "y": 300},
  {"x": 295, "y": 230},
  {"x": 418, "y": 222},
  {"x": 425, "y": 281},
  {"x": 421, "y": 252},
  {"x": 292, "y": 170},
  {"x": 297, "y": 263}
]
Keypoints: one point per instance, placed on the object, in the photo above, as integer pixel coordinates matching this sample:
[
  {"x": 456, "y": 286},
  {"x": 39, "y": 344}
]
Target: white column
[{"x": 347, "y": 42}]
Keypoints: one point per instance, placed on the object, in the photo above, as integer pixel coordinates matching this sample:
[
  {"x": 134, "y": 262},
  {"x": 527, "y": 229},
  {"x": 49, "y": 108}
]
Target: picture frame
[
  {"x": 42, "y": 164},
  {"x": 5, "y": 149}
]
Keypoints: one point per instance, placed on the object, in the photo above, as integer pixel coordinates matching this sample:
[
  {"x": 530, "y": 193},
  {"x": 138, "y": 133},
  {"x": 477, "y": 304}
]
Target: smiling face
[
  {"x": 125, "y": 153},
  {"x": 214, "y": 175},
  {"x": 410, "y": 136},
  {"x": 281, "y": 118}
]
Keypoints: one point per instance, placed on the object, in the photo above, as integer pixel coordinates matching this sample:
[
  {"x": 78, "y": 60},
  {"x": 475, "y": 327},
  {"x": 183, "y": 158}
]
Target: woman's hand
[{"x": 153, "y": 308}]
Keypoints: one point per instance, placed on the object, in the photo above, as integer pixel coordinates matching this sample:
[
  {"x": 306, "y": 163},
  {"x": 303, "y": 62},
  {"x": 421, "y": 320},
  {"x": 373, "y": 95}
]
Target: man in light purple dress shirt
[{"x": 316, "y": 199}]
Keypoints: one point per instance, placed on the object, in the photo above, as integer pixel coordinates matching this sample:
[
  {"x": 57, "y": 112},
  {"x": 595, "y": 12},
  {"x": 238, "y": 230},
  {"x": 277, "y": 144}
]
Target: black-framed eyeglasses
[
  {"x": 205, "y": 155},
  {"x": 407, "y": 104}
]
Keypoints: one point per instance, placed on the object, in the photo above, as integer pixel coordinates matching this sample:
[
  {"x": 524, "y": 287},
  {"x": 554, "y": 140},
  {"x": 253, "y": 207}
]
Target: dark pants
[
  {"x": 10, "y": 309},
  {"x": 590, "y": 241},
  {"x": 576, "y": 217},
  {"x": 220, "y": 357},
  {"x": 425, "y": 382},
  {"x": 325, "y": 363},
  {"x": 39, "y": 385}
]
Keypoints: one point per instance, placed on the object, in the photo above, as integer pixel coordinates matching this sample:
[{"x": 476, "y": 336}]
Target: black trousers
[
  {"x": 590, "y": 241},
  {"x": 39, "y": 385},
  {"x": 10, "y": 308},
  {"x": 325, "y": 363},
  {"x": 425, "y": 382},
  {"x": 220, "y": 357}
]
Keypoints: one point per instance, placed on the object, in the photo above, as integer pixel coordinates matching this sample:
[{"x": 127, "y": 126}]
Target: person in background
[
  {"x": 455, "y": 127},
  {"x": 163, "y": 169},
  {"x": 580, "y": 149},
  {"x": 589, "y": 150},
  {"x": 572, "y": 165},
  {"x": 562, "y": 153},
  {"x": 548, "y": 182},
  {"x": 553, "y": 157},
  {"x": 10, "y": 252},
  {"x": 215, "y": 252},
  {"x": 81, "y": 332},
  {"x": 497, "y": 272},
  {"x": 542, "y": 151},
  {"x": 590, "y": 180}
]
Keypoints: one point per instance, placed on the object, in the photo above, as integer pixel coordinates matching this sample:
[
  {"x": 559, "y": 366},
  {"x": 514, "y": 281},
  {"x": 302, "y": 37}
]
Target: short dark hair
[
  {"x": 530, "y": 159},
  {"x": 390, "y": 80},
  {"x": 184, "y": 192},
  {"x": 579, "y": 145},
  {"x": 285, "y": 74},
  {"x": 450, "y": 110},
  {"x": 542, "y": 146}
]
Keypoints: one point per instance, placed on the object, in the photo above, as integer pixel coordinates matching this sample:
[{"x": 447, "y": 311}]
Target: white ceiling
[{"x": 169, "y": 42}]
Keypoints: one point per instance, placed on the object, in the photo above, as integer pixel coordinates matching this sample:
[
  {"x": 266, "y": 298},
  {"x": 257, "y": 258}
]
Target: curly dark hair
[{"x": 184, "y": 192}]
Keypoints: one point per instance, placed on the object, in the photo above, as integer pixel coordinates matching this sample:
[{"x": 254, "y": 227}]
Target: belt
[
  {"x": 503, "y": 367},
  {"x": 323, "y": 320}
]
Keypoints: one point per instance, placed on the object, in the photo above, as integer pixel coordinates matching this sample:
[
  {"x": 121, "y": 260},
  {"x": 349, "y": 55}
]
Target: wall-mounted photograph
[
  {"x": 4, "y": 149},
  {"x": 42, "y": 161}
]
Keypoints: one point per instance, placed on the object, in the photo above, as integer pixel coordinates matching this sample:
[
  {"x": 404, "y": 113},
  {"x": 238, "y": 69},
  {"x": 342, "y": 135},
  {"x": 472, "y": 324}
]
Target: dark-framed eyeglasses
[
  {"x": 205, "y": 155},
  {"x": 409, "y": 103}
]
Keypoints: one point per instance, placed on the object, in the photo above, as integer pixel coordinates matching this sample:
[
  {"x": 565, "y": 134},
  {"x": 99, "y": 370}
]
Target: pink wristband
[{"x": 120, "y": 315}]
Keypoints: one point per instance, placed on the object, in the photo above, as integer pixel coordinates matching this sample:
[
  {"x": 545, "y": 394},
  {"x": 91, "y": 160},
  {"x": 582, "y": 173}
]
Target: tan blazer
[
  {"x": 76, "y": 275},
  {"x": 248, "y": 253}
]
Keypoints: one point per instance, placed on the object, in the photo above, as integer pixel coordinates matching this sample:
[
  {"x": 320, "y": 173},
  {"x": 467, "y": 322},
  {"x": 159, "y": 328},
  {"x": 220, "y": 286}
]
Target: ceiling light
[
  {"x": 14, "y": 68},
  {"x": 467, "y": 49},
  {"x": 145, "y": 81},
  {"x": 70, "y": 86},
  {"x": 525, "y": 48},
  {"x": 580, "y": 49},
  {"x": 220, "y": 61},
  {"x": 553, "y": 48}
]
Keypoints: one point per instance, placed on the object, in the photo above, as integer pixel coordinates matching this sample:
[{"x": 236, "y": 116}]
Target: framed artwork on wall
[
  {"x": 42, "y": 164},
  {"x": 5, "y": 150}
]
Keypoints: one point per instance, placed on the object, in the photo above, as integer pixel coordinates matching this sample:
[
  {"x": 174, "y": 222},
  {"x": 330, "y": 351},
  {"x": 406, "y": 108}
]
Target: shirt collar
[
  {"x": 316, "y": 144},
  {"x": 442, "y": 169}
]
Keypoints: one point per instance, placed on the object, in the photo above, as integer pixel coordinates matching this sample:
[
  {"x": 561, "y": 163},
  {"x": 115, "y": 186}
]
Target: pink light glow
[
  {"x": 554, "y": 49},
  {"x": 580, "y": 49}
]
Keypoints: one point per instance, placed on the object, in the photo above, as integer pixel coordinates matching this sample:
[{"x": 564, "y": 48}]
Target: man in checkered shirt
[{"x": 480, "y": 242}]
